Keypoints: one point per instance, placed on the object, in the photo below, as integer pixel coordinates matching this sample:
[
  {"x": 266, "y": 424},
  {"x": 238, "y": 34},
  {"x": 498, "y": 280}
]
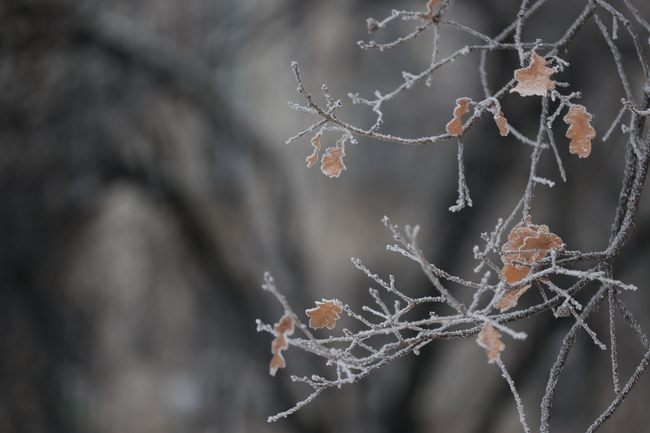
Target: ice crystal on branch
[
  {"x": 531, "y": 255},
  {"x": 430, "y": 5}
]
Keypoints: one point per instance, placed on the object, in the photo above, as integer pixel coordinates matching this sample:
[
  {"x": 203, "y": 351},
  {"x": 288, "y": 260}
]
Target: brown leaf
[
  {"x": 313, "y": 158},
  {"x": 534, "y": 79},
  {"x": 325, "y": 315},
  {"x": 455, "y": 126},
  {"x": 502, "y": 124},
  {"x": 527, "y": 244},
  {"x": 515, "y": 272},
  {"x": 490, "y": 339},
  {"x": 580, "y": 131},
  {"x": 332, "y": 162},
  {"x": 284, "y": 328},
  {"x": 510, "y": 299}
]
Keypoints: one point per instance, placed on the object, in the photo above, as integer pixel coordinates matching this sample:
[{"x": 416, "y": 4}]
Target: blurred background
[{"x": 145, "y": 187}]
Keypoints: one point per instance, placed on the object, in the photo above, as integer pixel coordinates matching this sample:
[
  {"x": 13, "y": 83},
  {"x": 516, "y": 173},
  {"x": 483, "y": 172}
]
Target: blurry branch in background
[{"x": 518, "y": 254}]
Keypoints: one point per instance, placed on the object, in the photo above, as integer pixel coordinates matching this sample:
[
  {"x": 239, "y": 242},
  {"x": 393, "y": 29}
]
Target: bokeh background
[{"x": 145, "y": 187}]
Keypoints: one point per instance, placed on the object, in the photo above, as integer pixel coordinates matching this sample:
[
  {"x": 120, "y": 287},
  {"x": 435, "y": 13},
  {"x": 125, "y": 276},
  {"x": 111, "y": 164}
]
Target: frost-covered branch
[{"x": 518, "y": 253}]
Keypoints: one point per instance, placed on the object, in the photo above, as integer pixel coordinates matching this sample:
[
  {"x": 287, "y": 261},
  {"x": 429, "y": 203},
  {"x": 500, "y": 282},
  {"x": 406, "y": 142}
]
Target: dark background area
[{"x": 145, "y": 187}]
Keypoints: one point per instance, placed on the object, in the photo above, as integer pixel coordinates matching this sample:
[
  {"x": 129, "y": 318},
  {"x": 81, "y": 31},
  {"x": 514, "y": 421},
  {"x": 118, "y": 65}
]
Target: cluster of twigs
[{"x": 385, "y": 332}]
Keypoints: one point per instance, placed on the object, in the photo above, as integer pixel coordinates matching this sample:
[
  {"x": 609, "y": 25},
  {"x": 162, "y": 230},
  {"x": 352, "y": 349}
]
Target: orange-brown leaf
[
  {"x": 580, "y": 131},
  {"x": 279, "y": 343},
  {"x": 502, "y": 124},
  {"x": 284, "y": 327},
  {"x": 315, "y": 141},
  {"x": 332, "y": 162},
  {"x": 490, "y": 339},
  {"x": 515, "y": 272},
  {"x": 455, "y": 126},
  {"x": 534, "y": 79},
  {"x": 527, "y": 244},
  {"x": 510, "y": 299},
  {"x": 277, "y": 362},
  {"x": 325, "y": 315}
]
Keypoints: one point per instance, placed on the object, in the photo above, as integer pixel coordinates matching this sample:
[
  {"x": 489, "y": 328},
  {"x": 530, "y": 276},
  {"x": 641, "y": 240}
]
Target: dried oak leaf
[
  {"x": 284, "y": 328},
  {"x": 490, "y": 339},
  {"x": 510, "y": 299},
  {"x": 580, "y": 131},
  {"x": 534, "y": 79},
  {"x": 315, "y": 141},
  {"x": 325, "y": 315},
  {"x": 332, "y": 162},
  {"x": 455, "y": 126},
  {"x": 527, "y": 244},
  {"x": 515, "y": 272}
]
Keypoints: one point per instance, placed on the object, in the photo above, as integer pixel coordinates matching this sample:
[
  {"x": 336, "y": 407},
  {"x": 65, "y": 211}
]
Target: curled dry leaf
[
  {"x": 580, "y": 131},
  {"x": 284, "y": 328},
  {"x": 325, "y": 315},
  {"x": 332, "y": 162},
  {"x": 527, "y": 244},
  {"x": 455, "y": 126},
  {"x": 502, "y": 124},
  {"x": 490, "y": 339},
  {"x": 501, "y": 121},
  {"x": 315, "y": 141},
  {"x": 534, "y": 79}
]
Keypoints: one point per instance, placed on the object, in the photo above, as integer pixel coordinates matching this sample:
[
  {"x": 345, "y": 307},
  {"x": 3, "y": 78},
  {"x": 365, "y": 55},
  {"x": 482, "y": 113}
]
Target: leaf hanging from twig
[
  {"x": 527, "y": 244},
  {"x": 284, "y": 328},
  {"x": 325, "y": 315},
  {"x": 315, "y": 141},
  {"x": 490, "y": 339},
  {"x": 534, "y": 79},
  {"x": 501, "y": 121},
  {"x": 455, "y": 126},
  {"x": 580, "y": 130},
  {"x": 332, "y": 162}
]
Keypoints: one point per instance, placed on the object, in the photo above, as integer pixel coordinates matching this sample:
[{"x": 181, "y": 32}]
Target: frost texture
[
  {"x": 332, "y": 162},
  {"x": 313, "y": 158},
  {"x": 284, "y": 328},
  {"x": 455, "y": 126},
  {"x": 532, "y": 256},
  {"x": 580, "y": 132},
  {"x": 534, "y": 79},
  {"x": 527, "y": 245},
  {"x": 325, "y": 315}
]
